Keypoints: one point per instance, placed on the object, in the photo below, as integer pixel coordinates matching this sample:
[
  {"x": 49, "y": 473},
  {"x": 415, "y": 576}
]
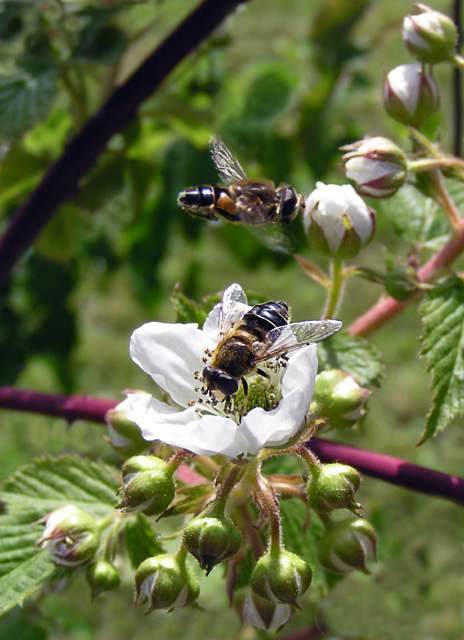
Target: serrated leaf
[
  {"x": 442, "y": 317},
  {"x": 29, "y": 494},
  {"x": 24, "y": 100},
  {"x": 187, "y": 310},
  {"x": 417, "y": 219},
  {"x": 354, "y": 355},
  {"x": 141, "y": 539}
]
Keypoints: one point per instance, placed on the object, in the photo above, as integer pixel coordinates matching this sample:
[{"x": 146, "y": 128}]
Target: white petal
[
  {"x": 171, "y": 353},
  {"x": 202, "y": 434},
  {"x": 270, "y": 428}
]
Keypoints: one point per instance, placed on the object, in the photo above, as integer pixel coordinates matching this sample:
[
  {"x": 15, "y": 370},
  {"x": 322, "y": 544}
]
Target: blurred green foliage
[{"x": 286, "y": 83}]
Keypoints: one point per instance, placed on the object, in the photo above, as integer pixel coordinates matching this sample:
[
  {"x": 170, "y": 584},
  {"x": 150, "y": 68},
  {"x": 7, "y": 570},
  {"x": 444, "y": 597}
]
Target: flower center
[{"x": 261, "y": 389}]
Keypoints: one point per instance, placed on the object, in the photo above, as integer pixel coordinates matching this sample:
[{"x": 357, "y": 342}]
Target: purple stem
[
  {"x": 61, "y": 180},
  {"x": 376, "y": 465}
]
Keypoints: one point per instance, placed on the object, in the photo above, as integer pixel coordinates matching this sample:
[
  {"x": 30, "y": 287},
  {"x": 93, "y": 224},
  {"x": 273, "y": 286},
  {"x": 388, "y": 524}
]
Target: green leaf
[
  {"x": 268, "y": 95},
  {"x": 31, "y": 493},
  {"x": 354, "y": 355},
  {"x": 187, "y": 310},
  {"x": 417, "y": 219},
  {"x": 24, "y": 100},
  {"x": 442, "y": 317},
  {"x": 141, "y": 539}
]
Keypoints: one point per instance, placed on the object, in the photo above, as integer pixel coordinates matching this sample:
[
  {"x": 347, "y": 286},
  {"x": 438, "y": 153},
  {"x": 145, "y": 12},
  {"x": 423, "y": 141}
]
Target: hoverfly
[
  {"x": 250, "y": 336},
  {"x": 240, "y": 199}
]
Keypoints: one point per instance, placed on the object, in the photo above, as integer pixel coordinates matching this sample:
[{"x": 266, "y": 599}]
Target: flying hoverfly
[
  {"x": 240, "y": 199},
  {"x": 251, "y": 336}
]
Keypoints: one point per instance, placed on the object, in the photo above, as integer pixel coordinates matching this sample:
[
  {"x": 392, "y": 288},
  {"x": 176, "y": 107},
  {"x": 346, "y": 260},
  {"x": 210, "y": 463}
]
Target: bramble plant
[{"x": 217, "y": 471}]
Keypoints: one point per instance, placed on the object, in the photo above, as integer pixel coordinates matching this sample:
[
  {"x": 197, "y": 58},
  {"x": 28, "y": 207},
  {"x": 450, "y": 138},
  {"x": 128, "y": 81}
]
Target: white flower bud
[
  {"x": 337, "y": 220},
  {"x": 430, "y": 36},
  {"x": 411, "y": 94},
  {"x": 377, "y": 165}
]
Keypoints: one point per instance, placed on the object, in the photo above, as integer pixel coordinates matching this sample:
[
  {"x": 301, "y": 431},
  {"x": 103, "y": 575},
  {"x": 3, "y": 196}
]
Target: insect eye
[
  {"x": 288, "y": 204},
  {"x": 226, "y": 384}
]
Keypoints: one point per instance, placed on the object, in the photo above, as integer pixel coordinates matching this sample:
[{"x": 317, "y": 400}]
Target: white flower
[
  {"x": 173, "y": 355},
  {"x": 337, "y": 220}
]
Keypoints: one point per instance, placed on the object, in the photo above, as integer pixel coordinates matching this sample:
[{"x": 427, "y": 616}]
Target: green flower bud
[
  {"x": 211, "y": 539},
  {"x": 401, "y": 282},
  {"x": 430, "y": 36},
  {"x": 377, "y": 166},
  {"x": 338, "y": 397},
  {"x": 337, "y": 221},
  {"x": 260, "y": 613},
  {"x": 124, "y": 435},
  {"x": 347, "y": 546},
  {"x": 165, "y": 582},
  {"x": 332, "y": 486},
  {"x": 71, "y": 536},
  {"x": 148, "y": 485},
  {"x": 102, "y": 576},
  {"x": 281, "y": 576},
  {"x": 411, "y": 94}
]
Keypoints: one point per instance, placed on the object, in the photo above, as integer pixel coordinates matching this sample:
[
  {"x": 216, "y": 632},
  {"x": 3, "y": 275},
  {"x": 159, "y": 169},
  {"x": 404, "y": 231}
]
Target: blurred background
[{"x": 286, "y": 83}]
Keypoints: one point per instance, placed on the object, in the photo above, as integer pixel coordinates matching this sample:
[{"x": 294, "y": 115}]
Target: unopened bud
[
  {"x": 332, "y": 486},
  {"x": 260, "y": 613},
  {"x": 165, "y": 582},
  {"x": 211, "y": 539},
  {"x": 71, "y": 536},
  {"x": 102, "y": 576},
  {"x": 376, "y": 165},
  {"x": 124, "y": 435},
  {"x": 348, "y": 546},
  {"x": 148, "y": 485},
  {"x": 401, "y": 282},
  {"x": 337, "y": 221},
  {"x": 430, "y": 36},
  {"x": 338, "y": 397},
  {"x": 411, "y": 94},
  {"x": 281, "y": 576}
]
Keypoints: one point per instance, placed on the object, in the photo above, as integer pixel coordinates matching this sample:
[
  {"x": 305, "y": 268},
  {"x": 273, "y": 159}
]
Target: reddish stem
[
  {"x": 376, "y": 465},
  {"x": 80, "y": 154},
  {"x": 387, "y": 308}
]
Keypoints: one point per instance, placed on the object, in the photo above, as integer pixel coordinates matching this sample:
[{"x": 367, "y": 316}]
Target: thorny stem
[
  {"x": 376, "y": 465},
  {"x": 270, "y": 502},
  {"x": 309, "y": 458},
  {"x": 251, "y": 533},
  {"x": 436, "y": 163},
  {"x": 335, "y": 290}
]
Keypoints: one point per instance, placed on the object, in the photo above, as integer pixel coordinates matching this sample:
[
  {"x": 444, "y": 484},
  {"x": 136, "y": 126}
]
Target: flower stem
[
  {"x": 445, "y": 200},
  {"x": 335, "y": 290}
]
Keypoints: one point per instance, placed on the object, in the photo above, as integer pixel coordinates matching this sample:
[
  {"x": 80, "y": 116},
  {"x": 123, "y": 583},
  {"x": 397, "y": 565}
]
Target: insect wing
[
  {"x": 281, "y": 340},
  {"x": 233, "y": 308},
  {"x": 227, "y": 164}
]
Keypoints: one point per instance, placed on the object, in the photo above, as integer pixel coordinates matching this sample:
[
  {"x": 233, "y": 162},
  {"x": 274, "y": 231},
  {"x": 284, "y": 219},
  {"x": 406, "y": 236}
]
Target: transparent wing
[
  {"x": 273, "y": 236},
  {"x": 227, "y": 164},
  {"x": 281, "y": 340},
  {"x": 233, "y": 308}
]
